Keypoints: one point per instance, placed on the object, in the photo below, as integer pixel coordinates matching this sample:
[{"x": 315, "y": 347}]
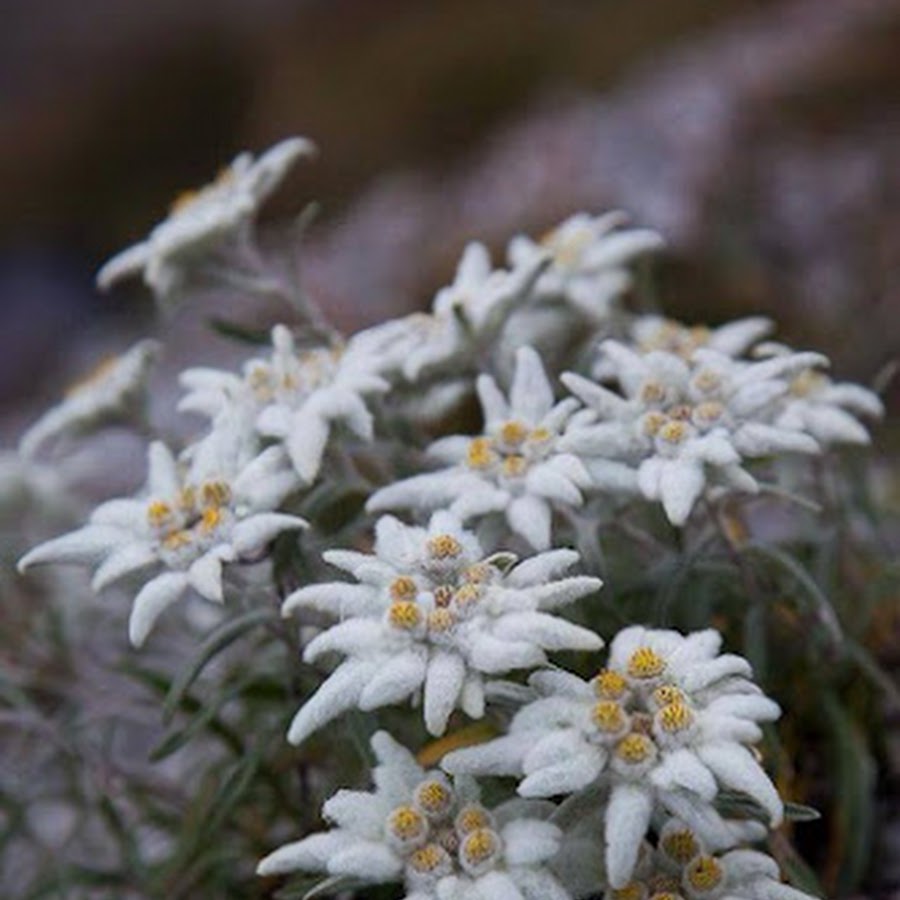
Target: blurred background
[{"x": 762, "y": 137}]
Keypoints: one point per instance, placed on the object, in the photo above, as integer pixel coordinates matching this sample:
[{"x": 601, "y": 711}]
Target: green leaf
[
  {"x": 227, "y": 633},
  {"x": 242, "y": 333}
]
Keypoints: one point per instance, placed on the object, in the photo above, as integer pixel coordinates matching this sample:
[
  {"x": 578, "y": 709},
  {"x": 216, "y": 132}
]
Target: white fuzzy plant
[{"x": 459, "y": 610}]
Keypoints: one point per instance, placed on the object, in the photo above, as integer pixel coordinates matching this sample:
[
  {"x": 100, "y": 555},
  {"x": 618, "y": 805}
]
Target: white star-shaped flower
[
  {"x": 433, "y": 614},
  {"x": 200, "y": 221},
  {"x": 434, "y": 836},
  {"x": 734, "y": 339},
  {"x": 189, "y": 521},
  {"x": 112, "y": 392},
  {"x": 666, "y": 725},
  {"x": 684, "y": 425},
  {"x": 466, "y": 317},
  {"x": 515, "y": 467},
  {"x": 589, "y": 258},
  {"x": 295, "y": 396},
  {"x": 828, "y": 410}
]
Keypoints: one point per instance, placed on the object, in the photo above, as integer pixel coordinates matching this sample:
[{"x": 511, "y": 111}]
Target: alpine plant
[{"x": 620, "y": 778}]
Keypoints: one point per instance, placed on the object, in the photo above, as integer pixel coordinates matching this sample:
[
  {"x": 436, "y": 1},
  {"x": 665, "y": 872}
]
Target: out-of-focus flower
[
  {"x": 731, "y": 339},
  {"x": 114, "y": 391},
  {"x": 433, "y": 613},
  {"x": 826, "y": 409},
  {"x": 180, "y": 531},
  {"x": 295, "y": 396},
  {"x": 515, "y": 467},
  {"x": 434, "y": 836},
  {"x": 199, "y": 222},
  {"x": 665, "y": 726},
  {"x": 589, "y": 259}
]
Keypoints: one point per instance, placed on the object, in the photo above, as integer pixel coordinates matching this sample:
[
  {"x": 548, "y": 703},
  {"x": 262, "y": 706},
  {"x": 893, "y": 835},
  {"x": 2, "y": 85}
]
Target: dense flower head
[
  {"x": 433, "y": 613},
  {"x": 293, "y": 396},
  {"x": 514, "y": 467},
  {"x": 421, "y": 829},
  {"x": 681, "y": 866},
  {"x": 193, "y": 517},
  {"x": 666, "y": 725},
  {"x": 682, "y": 424},
  {"x": 589, "y": 256},
  {"x": 113, "y": 391},
  {"x": 200, "y": 221}
]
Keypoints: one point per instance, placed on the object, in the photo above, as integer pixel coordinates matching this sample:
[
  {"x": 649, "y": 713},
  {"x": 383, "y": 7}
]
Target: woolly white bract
[
  {"x": 434, "y": 615},
  {"x": 515, "y": 467},
  {"x": 200, "y": 221},
  {"x": 589, "y": 256},
  {"x": 684, "y": 425},
  {"x": 112, "y": 392},
  {"x": 666, "y": 725},
  {"x": 189, "y": 521},
  {"x": 295, "y": 397},
  {"x": 434, "y": 836}
]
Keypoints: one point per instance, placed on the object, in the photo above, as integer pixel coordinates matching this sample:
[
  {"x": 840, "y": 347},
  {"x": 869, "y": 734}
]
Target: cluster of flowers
[{"x": 437, "y": 613}]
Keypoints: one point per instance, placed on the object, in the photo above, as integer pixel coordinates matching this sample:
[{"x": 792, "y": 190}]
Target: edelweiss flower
[
  {"x": 826, "y": 409},
  {"x": 432, "y": 613},
  {"x": 433, "y": 836},
  {"x": 294, "y": 396},
  {"x": 186, "y": 524},
  {"x": 111, "y": 392},
  {"x": 733, "y": 339},
  {"x": 466, "y": 316},
  {"x": 515, "y": 467},
  {"x": 684, "y": 424},
  {"x": 589, "y": 255},
  {"x": 682, "y": 867},
  {"x": 200, "y": 221},
  {"x": 666, "y": 724}
]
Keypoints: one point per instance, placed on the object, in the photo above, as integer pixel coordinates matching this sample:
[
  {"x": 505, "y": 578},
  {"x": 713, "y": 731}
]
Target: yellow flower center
[
  {"x": 653, "y": 421},
  {"x": 215, "y": 493},
  {"x": 211, "y": 519},
  {"x": 539, "y": 435},
  {"x": 406, "y": 823},
  {"x": 608, "y": 716},
  {"x": 403, "y": 588},
  {"x": 176, "y": 540},
  {"x": 434, "y": 797},
  {"x": 674, "y": 431},
  {"x": 440, "y": 620},
  {"x": 652, "y": 392},
  {"x": 444, "y": 546},
  {"x": 467, "y": 595},
  {"x": 707, "y": 381},
  {"x": 675, "y": 717},
  {"x": 634, "y": 890},
  {"x": 704, "y": 873},
  {"x": 187, "y": 498},
  {"x": 645, "y": 663},
  {"x": 443, "y": 595},
  {"x": 514, "y": 465},
  {"x": 472, "y": 818},
  {"x": 711, "y": 411},
  {"x": 427, "y": 858},
  {"x": 159, "y": 513},
  {"x": 477, "y": 573},
  {"x": 405, "y": 614},
  {"x": 634, "y": 748},
  {"x": 479, "y": 845},
  {"x": 666, "y": 694},
  {"x": 610, "y": 685},
  {"x": 680, "y": 846},
  {"x": 480, "y": 454},
  {"x": 513, "y": 433}
]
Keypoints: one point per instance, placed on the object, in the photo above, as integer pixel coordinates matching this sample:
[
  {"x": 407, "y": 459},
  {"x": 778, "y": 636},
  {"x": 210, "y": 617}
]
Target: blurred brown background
[{"x": 761, "y": 136}]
